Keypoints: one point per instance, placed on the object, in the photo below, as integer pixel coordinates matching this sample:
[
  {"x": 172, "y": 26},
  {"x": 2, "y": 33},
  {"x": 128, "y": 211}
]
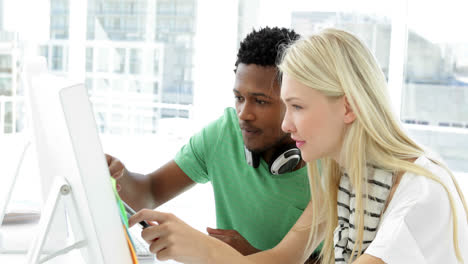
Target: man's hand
[
  {"x": 116, "y": 169},
  {"x": 234, "y": 239}
]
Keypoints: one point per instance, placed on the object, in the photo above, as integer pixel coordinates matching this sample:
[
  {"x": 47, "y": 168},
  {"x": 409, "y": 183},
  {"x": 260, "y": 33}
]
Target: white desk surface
[
  {"x": 71, "y": 258},
  {"x": 21, "y": 235}
]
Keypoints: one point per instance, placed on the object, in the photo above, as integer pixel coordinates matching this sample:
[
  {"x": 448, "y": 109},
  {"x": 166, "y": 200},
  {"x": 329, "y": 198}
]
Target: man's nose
[{"x": 245, "y": 112}]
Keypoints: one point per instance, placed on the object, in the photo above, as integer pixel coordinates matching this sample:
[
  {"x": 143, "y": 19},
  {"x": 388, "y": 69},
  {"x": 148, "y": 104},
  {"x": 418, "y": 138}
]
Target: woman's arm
[
  {"x": 171, "y": 238},
  {"x": 368, "y": 259}
]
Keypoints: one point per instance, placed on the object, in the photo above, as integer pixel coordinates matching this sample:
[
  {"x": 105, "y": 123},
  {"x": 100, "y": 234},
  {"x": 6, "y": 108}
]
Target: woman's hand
[{"x": 171, "y": 238}]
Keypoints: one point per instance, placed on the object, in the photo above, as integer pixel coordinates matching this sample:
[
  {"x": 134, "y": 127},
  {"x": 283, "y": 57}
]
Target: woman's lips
[{"x": 299, "y": 144}]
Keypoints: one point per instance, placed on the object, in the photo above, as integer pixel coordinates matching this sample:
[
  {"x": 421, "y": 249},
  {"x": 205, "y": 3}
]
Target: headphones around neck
[{"x": 284, "y": 160}]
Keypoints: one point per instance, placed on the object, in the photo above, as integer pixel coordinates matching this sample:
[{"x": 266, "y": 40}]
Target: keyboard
[{"x": 141, "y": 247}]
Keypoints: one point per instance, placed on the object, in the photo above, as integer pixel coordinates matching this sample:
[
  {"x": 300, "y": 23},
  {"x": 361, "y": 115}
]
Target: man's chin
[{"x": 255, "y": 149}]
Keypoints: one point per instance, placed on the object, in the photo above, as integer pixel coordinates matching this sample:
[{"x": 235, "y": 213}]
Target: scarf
[{"x": 379, "y": 185}]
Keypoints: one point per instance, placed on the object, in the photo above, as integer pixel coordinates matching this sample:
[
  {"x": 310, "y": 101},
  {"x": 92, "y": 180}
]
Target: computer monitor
[{"x": 68, "y": 147}]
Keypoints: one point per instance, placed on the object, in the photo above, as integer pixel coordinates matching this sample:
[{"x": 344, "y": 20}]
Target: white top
[{"x": 417, "y": 224}]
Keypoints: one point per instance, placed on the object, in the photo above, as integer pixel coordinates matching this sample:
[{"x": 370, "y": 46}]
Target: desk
[
  {"x": 71, "y": 258},
  {"x": 21, "y": 235},
  {"x": 14, "y": 237}
]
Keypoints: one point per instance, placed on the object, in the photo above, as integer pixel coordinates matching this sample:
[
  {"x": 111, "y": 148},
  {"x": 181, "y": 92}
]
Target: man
[{"x": 255, "y": 208}]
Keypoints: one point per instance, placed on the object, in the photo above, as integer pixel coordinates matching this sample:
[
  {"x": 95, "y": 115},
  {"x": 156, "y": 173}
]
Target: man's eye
[
  {"x": 261, "y": 102},
  {"x": 238, "y": 98}
]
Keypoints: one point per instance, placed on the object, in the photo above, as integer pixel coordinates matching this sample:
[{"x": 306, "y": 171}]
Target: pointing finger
[{"x": 148, "y": 215}]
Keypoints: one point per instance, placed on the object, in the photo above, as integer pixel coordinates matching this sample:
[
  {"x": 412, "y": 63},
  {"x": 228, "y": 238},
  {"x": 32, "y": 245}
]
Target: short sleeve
[
  {"x": 416, "y": 227},
  {"x": 192, "y": 158}
]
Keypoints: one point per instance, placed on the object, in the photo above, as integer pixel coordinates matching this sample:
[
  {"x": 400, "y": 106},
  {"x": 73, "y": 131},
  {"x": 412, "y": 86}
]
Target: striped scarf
[{"x": 379, "y": 185}]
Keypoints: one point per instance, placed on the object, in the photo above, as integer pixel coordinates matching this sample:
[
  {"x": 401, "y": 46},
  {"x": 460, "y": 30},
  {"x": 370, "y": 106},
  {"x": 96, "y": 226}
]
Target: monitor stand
[
  {"x": 13, "y": 183},
  {"x": 60, "y": 192}
]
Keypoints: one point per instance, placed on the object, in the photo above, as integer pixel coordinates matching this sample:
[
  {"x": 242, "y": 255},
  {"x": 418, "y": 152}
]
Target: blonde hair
[{"x": 337, "y": 64}]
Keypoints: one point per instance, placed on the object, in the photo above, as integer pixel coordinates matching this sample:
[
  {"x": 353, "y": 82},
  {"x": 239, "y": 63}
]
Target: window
[
  {"x": 59, "y": 18},
  {"x": 118, "y": 85},
  {"x": 373, "y": 30},
  {"x": 124, "y": 38},
  {"x": 435, "y": 91},
  {"x": 20, "y": 119},
  {"x": 5, "y": 64},
  {"x": 44, "y": 51},
  {"x": 89, "y": 59},
  {"x": 5, "y": 86},
  {"x": 102, "y": 55},
  {"x": 156, "y": 62},
  {"x": 116, "y": 23},
  {"x": 135, "y": 87},
  {"x": 8, "y": 118},
  {"x": 119, "y": 60},
  {"x": 148, "y": 89},
  {"x": 57, "y": 58},
  {"x": 156, "y": 90},
  {"x": 135, "y": 61},
  {"x": 89, "y": 86},
  {"x": 102, "y": 86}
]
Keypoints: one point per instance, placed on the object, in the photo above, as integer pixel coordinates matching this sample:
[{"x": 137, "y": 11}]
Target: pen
[{"x": 131, "y": 212}]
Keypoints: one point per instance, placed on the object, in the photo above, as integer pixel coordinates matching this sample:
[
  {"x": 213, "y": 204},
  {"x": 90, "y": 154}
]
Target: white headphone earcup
[
  {"x": 251, "y": 158},
  {"x": 286, "y": 162}
]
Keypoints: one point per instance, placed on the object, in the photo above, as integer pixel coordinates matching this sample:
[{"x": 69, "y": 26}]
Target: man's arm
[
  {"x": 234, "y": 239},
  {"x": 151, "y": 190}
]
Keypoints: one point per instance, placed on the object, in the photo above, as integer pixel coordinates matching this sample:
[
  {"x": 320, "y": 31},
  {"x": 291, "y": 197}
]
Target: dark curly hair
[{"x": 264, "y": 47}]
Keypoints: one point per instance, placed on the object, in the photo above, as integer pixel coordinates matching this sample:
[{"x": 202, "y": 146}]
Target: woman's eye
[{"x": 297, "y": 107}]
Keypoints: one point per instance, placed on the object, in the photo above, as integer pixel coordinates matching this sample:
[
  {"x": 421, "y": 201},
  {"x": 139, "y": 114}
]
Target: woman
[{"x": 377, "y": 198}]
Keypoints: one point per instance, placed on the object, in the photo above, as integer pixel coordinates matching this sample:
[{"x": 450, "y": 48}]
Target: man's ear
[{"x": 349, "y": 115}]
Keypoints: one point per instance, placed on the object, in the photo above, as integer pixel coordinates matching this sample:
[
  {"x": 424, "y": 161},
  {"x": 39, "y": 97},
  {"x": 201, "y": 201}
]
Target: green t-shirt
[{"x": 262, "y": 207}]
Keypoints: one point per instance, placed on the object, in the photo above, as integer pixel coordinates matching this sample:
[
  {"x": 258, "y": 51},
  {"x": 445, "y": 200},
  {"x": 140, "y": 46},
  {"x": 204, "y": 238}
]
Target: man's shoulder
[
  {"x": 230, "y": 114},
  {"x": 228, "y": 121},
  {"x": 225, "y": 128}
]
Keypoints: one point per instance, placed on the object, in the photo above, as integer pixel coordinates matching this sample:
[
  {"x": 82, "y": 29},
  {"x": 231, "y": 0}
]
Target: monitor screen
[{"x": 68, "y": 146}]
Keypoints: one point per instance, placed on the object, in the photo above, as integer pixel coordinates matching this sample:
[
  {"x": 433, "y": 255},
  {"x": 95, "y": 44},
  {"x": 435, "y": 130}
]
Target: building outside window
[
  {"x": 140, "y": 60},
  {"x": 435, "y": 91}
]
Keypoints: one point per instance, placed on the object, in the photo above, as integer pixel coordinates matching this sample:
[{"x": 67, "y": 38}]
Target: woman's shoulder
[
  {"x": 419, "y": 214},
  {"x": 419, "y": 188},
  {"x": 419, "y": 200},
  {"x": 421, "y": 203}
]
